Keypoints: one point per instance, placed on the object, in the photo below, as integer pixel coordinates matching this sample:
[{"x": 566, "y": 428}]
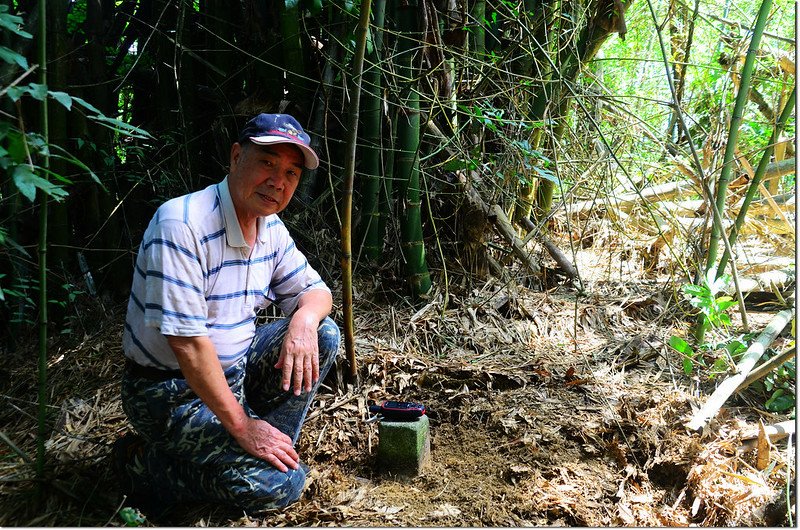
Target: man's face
[{"x": 263, "y": 178}]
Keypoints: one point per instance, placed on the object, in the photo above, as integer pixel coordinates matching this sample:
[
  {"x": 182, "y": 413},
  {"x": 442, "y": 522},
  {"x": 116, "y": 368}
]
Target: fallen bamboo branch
[
  {"x": 625, "y": 202},
  {"x": 500, "y": 221},
  {"x": 344, "y": 401},
  {"x": 766, "y": 367},
  {"x": 729, "y": 386},
  {"x": 560, "y": 258}
]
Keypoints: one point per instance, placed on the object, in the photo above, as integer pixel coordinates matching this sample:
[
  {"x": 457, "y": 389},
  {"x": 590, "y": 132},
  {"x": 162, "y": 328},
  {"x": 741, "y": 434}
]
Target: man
[{"x": 218, "y": 403}]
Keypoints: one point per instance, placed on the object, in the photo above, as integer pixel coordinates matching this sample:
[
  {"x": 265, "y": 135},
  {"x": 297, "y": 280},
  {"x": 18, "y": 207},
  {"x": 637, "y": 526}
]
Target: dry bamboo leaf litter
[{"x": 505, "y": 421}]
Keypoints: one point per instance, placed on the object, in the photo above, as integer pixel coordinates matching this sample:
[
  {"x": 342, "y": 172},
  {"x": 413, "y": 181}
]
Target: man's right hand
[
  {"x": 264, "y": 441},
  {"x": 199, "y": 363}
]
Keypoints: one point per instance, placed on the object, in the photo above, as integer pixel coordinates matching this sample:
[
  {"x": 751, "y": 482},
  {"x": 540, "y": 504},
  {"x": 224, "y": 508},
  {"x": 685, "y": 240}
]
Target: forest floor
[{"x": 547, "y": 407}]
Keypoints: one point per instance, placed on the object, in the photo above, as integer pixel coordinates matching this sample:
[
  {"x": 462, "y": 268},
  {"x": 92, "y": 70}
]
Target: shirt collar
[{"x": 233, "y": 231}]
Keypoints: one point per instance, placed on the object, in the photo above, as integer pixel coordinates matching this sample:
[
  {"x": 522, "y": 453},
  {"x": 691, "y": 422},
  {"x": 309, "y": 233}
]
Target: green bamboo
[
  {"x": 371, "y": 151},
  {"x": 407, "y": 159},
  {"x": 307, "y": 188},
  {"x": 293, "y": 60},
  {"x": 385, "y": 199},
  {"x": 42, "y": 412},
  {"x": 479, "y": 33},
  {"x": 733, "y": 133},
  {"x": 758, "y": 176},
  {"x": 701, "y": 325},
  {"x": 349, "y": 177}
]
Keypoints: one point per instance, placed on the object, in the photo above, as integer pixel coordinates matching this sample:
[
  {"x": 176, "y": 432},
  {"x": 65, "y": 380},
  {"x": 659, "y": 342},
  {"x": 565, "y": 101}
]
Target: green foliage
[
  {"x": 728, "y": 349},
  {"x": 704, "y": 297},
  {"x": 23, "y": 151},
  {"x": 131, "y": 517},
  {"x": 514, "y": 134}
]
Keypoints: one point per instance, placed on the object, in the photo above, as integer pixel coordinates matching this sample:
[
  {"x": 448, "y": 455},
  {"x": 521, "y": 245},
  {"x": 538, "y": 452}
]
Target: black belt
[{"x": 150, "y": 372}]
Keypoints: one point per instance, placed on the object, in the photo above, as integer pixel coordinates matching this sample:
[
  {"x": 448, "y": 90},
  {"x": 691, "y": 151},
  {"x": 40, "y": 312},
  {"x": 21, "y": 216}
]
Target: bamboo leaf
[
  {"x": 681, "y": 345},
  {"x": 27, "y": 181},
  {"x": 10, "y": 56},
  {"x": 688, "y": 366},
  {"x": 37, "y": 91},
  {"x": 12, "y": 23},
  {"x": 71, "y": 159},
  {"x": 112, "y": 123},
  {"x": 63, "y": 98},
  {"x": 88, "y": 106}
]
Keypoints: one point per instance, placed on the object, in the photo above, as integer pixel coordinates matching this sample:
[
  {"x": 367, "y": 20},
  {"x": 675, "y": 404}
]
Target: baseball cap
[{"x": 267, "y": 129}]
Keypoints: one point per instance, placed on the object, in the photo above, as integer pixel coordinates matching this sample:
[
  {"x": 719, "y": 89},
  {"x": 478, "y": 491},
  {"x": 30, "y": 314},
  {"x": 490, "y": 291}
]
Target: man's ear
[{"x": 236, "y": 153}]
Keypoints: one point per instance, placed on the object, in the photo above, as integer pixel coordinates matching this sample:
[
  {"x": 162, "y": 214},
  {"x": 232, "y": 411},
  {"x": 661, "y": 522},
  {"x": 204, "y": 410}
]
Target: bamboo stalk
[
  {"x": 733, "y": 133},
  {"x": 504, "y": 227},
  {"x": 43, "y": 197},
  {"x": 347, "y": 198},
  {"x": 767, "y": 367},
  {"x": 560, "y": 258},
  {"x": 407, "y": 159},
  {"x": 757, "y": 178},
  {"x": 372, "y": 229},
  {"x": 729, "y": 386},
  {"x": 658, "y": 192}
]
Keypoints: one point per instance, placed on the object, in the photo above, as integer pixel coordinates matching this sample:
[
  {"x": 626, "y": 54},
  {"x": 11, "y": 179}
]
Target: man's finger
[
  {"x": 299, "y": 370},
  {"x": 286, "y": 459},
  {"x": 292, "y": 454},
  {"x": 276, "y": 463},
  {"x": 315, "y": 367},
  {"x": 288, "y": 365},
  {"x": 307, "y": 373}
]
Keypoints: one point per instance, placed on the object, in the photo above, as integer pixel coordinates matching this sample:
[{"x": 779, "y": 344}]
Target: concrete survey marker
[{"x": 404, "y": 447}]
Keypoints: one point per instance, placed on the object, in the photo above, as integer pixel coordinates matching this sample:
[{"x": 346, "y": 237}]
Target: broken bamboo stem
[
  {"x": 766, "y": 367},
  {"x": 559, "y": 257},
  {"x": 729, "y": 386},
  {"x": 773, "y": 432},
  {"x": 659, "y": 192},
  {"x": 500, "y": 221}
]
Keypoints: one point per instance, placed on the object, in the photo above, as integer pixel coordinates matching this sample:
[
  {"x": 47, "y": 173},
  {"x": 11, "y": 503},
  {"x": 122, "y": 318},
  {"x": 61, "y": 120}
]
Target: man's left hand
[{"x": 299, "y": 359}]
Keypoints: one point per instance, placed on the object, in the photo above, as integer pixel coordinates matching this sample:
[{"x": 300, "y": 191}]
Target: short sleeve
[
  {"x": 293, "y": 276},
  {"x": 174, "y": 294}
]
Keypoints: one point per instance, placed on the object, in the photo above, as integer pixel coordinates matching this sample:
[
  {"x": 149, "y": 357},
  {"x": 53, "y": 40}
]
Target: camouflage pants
[{"x": 188, "y": 454}]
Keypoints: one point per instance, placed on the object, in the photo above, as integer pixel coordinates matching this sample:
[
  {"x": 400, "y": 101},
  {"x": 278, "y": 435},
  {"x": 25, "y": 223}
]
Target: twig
[
  {"x": 729, "y": 386},
  {"x": 121, "y": 504},
  {"x": 18, "y": 80},
  {"x": 334, "y": 406},
  {"x": 16, "y": 449}
]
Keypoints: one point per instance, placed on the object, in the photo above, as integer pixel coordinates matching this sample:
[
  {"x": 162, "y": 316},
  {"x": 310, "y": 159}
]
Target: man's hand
[
  {"x": 199, "y": 363},
  {"x": 299, "y": 358},
  {"x": 264, "y": 441}
]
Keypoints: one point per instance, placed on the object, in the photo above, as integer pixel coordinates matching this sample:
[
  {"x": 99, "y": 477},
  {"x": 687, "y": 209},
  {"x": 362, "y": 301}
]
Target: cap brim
[{"x": 311, "y": 159}]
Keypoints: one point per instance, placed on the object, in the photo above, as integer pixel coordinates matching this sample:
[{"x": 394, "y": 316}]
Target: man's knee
[
  {"x": 265, "y": 488},
  {"x": 328, "y": 336}
]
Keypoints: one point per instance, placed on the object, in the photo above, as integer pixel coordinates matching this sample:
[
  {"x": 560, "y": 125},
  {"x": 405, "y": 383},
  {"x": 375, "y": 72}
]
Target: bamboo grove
[{"x": 462, "y": 105}]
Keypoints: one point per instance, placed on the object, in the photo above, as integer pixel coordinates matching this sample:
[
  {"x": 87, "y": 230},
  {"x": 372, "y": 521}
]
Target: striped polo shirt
[{"x": 195, "y": 275}]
